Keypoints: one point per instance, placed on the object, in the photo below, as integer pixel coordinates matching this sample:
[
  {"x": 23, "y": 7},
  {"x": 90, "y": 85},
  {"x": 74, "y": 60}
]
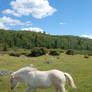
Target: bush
[
  {"x": 54, "y": 52},
  {"x": 86, "y": 56},
  {"x": 44, "y": 50},
  {"x": 38, "y": 51},
  {"x": 83, "y": 52},
  {"x": 90, "y": 53},
  {"x": 70, "y": 52},
  {"x": 26, "y": 53},
  {"x": 14, "y": 54}
]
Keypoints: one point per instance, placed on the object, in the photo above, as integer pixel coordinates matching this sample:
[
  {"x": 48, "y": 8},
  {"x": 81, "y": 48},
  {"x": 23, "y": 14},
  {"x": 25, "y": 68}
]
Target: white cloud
[
  {"x": 27, "y": 23},
  {"x": 2, "y": 26},
  {"x": 8, "y": 11},
  {"x": 87, "y": 36},
  {"x": 7, "y": 22},
  {"x": 35, "y": 29},
  {"x": 62, "y": 23},
  {"x": 37, "y": 8}
]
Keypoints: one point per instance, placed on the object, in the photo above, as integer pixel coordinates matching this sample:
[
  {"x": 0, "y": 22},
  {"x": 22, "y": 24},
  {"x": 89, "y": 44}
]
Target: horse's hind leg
[
  {"x": 62, "y": 88},
  {"x": 28, "y": 89},
  {"x": 66, "y": 91}
]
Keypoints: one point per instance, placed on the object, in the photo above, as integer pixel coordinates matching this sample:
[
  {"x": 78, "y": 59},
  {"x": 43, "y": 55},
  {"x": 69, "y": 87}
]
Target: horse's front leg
[
  {"x": 34, "y": 90},
  {"x": 57, "y": 90},
  {"x": 27, "y": 89}
]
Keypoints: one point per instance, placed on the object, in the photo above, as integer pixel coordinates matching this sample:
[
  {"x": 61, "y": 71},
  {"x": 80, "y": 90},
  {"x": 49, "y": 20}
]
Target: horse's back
[
  {"x": 56, "y": 72},
  {"x": 57, "y": 76},
  {"x": 50, "y": 77},
  {"x": 39, "y": 79}
]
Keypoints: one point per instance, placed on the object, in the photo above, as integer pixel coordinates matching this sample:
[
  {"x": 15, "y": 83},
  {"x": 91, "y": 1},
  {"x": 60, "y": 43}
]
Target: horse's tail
[{"x": 70, "y": 79}]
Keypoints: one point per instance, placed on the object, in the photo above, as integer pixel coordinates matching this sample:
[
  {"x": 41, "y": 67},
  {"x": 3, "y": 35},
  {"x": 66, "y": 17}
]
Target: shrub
[
  {"x": 70, "y": 52},
  {"x": 14, "y": 54},
  {"x": 38, "y": 51},
  {"x": 54, "y": 52},
  {"x": 83, "y": 52},
  {"x": 90, "y": 54},
  {"x": 26, "y": 53},
  {"x": 44, "y": 50},
  {"x": 86, "y": 56}
]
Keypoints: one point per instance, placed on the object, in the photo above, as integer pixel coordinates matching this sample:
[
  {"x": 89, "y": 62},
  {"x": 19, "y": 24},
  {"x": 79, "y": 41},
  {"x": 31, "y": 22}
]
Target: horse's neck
[
  {"x": 20, "y": 76},
  {"x": 23, "y": 73}
]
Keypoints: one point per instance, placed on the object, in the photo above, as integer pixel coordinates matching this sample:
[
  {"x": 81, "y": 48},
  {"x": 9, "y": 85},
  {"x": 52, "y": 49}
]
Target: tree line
[{"x": 29, "y": 40}]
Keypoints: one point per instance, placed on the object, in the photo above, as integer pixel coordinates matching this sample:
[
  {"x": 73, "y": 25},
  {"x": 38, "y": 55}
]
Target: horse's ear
[
  {"x": 12, "y": 76},
  {"x": 31, "y": 65}
]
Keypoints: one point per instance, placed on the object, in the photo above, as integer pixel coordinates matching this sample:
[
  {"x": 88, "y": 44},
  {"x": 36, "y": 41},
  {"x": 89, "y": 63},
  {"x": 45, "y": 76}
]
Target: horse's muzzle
[{"x": 12, "y": 88}]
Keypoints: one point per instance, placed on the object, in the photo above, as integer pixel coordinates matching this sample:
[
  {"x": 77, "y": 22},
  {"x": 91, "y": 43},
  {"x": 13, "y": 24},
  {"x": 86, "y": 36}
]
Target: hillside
[
  {"x": 76, "y": 65},
  {"x": 28, "y": 40}
]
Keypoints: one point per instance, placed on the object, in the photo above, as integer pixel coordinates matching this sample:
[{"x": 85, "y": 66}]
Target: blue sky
[{"x": 59, "y": 17}]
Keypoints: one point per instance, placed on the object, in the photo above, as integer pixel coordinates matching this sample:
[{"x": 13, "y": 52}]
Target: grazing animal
[{"x": 41, "y": 79}]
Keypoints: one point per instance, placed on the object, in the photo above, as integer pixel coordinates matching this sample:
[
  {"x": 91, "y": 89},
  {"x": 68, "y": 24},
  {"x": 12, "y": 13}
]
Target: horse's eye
[{"x": 11, "y": 80}]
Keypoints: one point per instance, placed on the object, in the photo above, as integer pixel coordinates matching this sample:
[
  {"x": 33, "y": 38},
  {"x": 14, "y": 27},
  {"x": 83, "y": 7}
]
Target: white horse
[{"x": 41, "y": 79}]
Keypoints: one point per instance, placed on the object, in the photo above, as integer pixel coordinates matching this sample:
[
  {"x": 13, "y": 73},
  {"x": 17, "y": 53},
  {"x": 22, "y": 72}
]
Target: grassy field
[{"x": 79, "y": 67}]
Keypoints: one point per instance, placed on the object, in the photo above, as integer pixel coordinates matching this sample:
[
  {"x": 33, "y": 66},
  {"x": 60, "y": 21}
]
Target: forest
[{"x": 29, "y": 40}]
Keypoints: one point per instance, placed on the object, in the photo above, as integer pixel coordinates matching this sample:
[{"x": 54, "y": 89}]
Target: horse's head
[{"x": 13, "y": 81}]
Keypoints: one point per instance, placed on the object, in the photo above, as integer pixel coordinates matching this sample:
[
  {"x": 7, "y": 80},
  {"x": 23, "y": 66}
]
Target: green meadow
[{"x": 79, "y": 67}]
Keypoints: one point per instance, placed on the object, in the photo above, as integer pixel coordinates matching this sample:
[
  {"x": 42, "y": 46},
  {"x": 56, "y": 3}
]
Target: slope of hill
[
  {"x": 76, "y": 65},
  {"x": 28, "y": 40}
]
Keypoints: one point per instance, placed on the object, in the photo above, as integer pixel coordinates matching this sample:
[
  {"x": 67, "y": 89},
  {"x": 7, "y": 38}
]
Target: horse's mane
[
  {"x": 29, "y": 68},
  {"x": 33, "y": 69}
]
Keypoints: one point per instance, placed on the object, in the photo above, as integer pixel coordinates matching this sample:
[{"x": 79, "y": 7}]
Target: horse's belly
[
  {"x": 41, "y": 80},
  {"x": 45, "y": 85},
  {"x": 42, "y": 83}
]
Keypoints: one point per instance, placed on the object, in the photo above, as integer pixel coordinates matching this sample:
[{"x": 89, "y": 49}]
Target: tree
[{"x": 5, "y": 47}]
